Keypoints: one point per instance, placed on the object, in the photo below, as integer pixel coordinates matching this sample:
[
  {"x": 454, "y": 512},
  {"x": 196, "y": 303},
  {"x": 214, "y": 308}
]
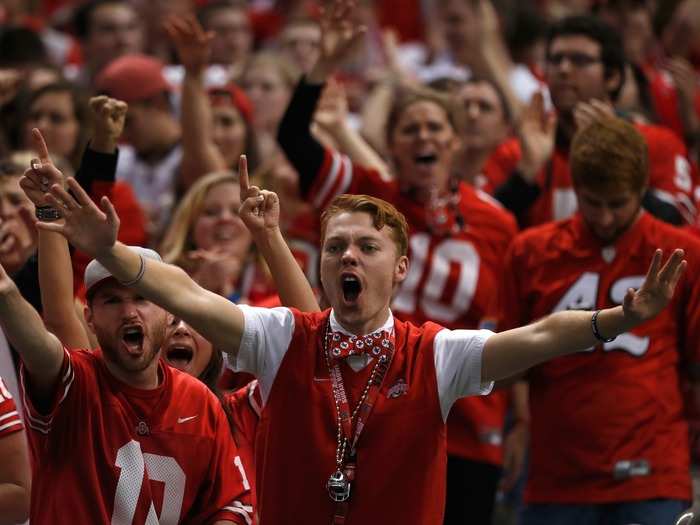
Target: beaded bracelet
[
  {"x": 596, "y": 332},
  {"x": 47, "y": 213}
]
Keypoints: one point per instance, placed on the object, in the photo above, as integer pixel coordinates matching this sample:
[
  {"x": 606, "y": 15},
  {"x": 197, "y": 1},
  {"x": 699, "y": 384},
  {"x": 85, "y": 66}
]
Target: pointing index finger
[
  {"x": 40, "y": 145},
  {"x": 243, "y": 175}
]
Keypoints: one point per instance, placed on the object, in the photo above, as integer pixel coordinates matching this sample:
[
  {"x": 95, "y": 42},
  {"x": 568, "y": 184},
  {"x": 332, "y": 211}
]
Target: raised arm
[
  {"x": 40, "y": 350},
  {"x": 93, "y": 230},
  {"x": 199, "y": 153},
  {"x": 55, "y": 265},
  {"x": 294, "y": 133},
  {"x": 260, "y": 211},
  {"x": 332, "y": 116},
  {"x": 514, "y": 351}
]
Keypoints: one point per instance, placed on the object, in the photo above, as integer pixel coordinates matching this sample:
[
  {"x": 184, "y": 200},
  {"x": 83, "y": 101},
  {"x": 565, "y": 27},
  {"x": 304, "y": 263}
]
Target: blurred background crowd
[{"x": 206, "y": 81}]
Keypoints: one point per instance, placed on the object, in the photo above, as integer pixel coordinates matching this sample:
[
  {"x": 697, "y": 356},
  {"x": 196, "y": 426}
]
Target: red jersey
[
  {"x": 111, "y": 453},
  {"x": 451, "y": 279},
  {"x": 595, "y": 414},
  {"x": 10, "y": 421},
  {"x": 671, "y": 177},
  {"x": 665, "y": 98},
  {"x": 245, "y": 406}
]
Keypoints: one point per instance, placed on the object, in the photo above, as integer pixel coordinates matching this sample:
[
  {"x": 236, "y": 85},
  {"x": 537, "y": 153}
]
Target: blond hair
[{"x": 178, "y": 239}]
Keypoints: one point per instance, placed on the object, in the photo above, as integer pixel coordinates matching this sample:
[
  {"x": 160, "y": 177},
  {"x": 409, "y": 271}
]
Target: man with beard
[
  {"x": 604, "y": 461},
  {"x": 115, "y": 434}
]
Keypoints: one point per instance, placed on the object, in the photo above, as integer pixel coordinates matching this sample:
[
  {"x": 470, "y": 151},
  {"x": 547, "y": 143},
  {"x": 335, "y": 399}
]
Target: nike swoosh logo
[{"x": 185, "y": 419}]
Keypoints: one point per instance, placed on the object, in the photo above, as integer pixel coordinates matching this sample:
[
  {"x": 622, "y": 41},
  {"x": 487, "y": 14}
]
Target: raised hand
[
  {"x": 332, "y": 108},
  {"x": 260, "y": 209},
  {"x": 192, "y": 43},
  {"x": 42, "y": 174},
  {"x": 586, "y": 113},
  {"x": 657, "y": 289},
  {"x": 91, "y": 229},
  {"x": 536, "y": 132},
  {"x": 216, "y": 270},
  {"x": 109, "y": 115},
  {"x": 340, "y": 35}
]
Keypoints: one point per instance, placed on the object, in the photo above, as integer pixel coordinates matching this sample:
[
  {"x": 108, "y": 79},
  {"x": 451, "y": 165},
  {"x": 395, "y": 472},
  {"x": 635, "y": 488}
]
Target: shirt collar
[{"x": 337, "y": 327}]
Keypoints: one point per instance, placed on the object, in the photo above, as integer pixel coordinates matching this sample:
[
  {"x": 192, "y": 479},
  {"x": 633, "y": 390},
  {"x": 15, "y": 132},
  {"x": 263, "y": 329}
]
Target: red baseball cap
[
  {"x": 132, "y": 78},
  {"x": 231, "y": 94}
]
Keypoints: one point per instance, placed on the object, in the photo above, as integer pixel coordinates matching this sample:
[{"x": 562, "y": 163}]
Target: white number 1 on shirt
[{"x": 133, "y": 463}]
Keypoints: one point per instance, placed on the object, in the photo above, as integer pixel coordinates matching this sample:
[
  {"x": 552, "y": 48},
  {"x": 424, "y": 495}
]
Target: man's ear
[
  {"x": 87, "y": 313},
  {"x": 613, "y": 82},
  {"x": 401, "y": 269}
]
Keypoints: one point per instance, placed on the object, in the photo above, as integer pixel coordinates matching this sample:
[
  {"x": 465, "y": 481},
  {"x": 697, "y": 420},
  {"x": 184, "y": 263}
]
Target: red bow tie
[{"x": 375, "y": 344}]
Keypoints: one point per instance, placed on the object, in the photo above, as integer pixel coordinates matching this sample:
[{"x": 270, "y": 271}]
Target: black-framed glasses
[{"x": 579, "y": 60}]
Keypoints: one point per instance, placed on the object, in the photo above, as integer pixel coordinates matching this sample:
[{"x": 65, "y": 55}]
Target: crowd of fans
[{"x": 539, "y": 151}]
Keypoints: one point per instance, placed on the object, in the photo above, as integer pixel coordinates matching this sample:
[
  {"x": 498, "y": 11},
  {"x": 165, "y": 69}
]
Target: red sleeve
[
  {"x": 338, "y": 175},
  {"x": 228, "y": 488},
  {"x": 65, "y": 391},
  {"x": 499, "y": 166},
  {"x": 671, "y": 177},
  {"x": 10, "y": 421}
]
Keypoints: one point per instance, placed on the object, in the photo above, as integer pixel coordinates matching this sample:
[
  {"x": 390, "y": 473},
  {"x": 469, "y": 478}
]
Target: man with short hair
[
  {"x": 152, "y": 130},
  {"x": 133, "y": 421},
  {"x": 116, "y": 435},
  {"x": 232, "y": 43},
  {"x": 584, "y": 73},
  {"x": 609, "y": 441},
  {"x": 106, "y": 29},
  {"x": 360, "y": 397}
]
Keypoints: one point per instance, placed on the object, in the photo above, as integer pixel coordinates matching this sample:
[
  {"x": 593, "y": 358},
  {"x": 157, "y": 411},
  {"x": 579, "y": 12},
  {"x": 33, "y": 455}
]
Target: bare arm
[
  {"x": 514, "y": 351},
  {"x": 55, "y": 265},
  {"x": 199, "y": 153},
  {"x": 40, "y": 350},
  {"x": 56, "y": 283},
  {"x": 15, "y": 479},
  {"x": 260, "y": 212},
  {"x": 93, "y": 230},
  {"x": 331, "y": 115}
]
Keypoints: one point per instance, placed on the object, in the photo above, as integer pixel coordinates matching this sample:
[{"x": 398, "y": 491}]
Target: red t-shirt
[
  {"x": 619, "y": 401},
  {"x": 107, "y": 452},
  {"x": 245, "y": 406},
  {"x": 450, "y": 281},
  {"x": 670, "y": 176},
  {"x": 10, "y": 421}
]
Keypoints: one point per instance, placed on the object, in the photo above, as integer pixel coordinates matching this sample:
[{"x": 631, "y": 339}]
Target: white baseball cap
[{"x": 95, "y": 273}]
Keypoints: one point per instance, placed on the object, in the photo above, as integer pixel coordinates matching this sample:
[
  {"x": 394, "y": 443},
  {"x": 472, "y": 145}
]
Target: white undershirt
[{"x": 268, "y": 333}]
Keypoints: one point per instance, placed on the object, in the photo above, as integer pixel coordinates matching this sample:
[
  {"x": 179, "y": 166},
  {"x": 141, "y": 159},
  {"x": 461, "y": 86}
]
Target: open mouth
[
  {"x": 351, "y": 287},
  {"x": 132, "y": 337},
  {"x": 426, "y": 159},
  {"x": 7, "y": 242},
  {"x": 179, "y": 356}
]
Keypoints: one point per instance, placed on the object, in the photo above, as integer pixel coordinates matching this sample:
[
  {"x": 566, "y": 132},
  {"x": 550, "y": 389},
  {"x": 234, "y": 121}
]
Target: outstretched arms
[{"x": 514, "y": 351}]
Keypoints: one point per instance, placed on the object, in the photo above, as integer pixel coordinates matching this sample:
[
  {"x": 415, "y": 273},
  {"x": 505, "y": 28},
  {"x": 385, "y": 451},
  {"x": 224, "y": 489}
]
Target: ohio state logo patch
[{"x": 397, "y": 389}]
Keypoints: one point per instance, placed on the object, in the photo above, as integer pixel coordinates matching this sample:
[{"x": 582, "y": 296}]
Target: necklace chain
[{"x": 341, "y": 440}]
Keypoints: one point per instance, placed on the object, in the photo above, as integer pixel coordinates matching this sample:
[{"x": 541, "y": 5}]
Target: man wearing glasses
[{"x": 585, "y": 73}]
